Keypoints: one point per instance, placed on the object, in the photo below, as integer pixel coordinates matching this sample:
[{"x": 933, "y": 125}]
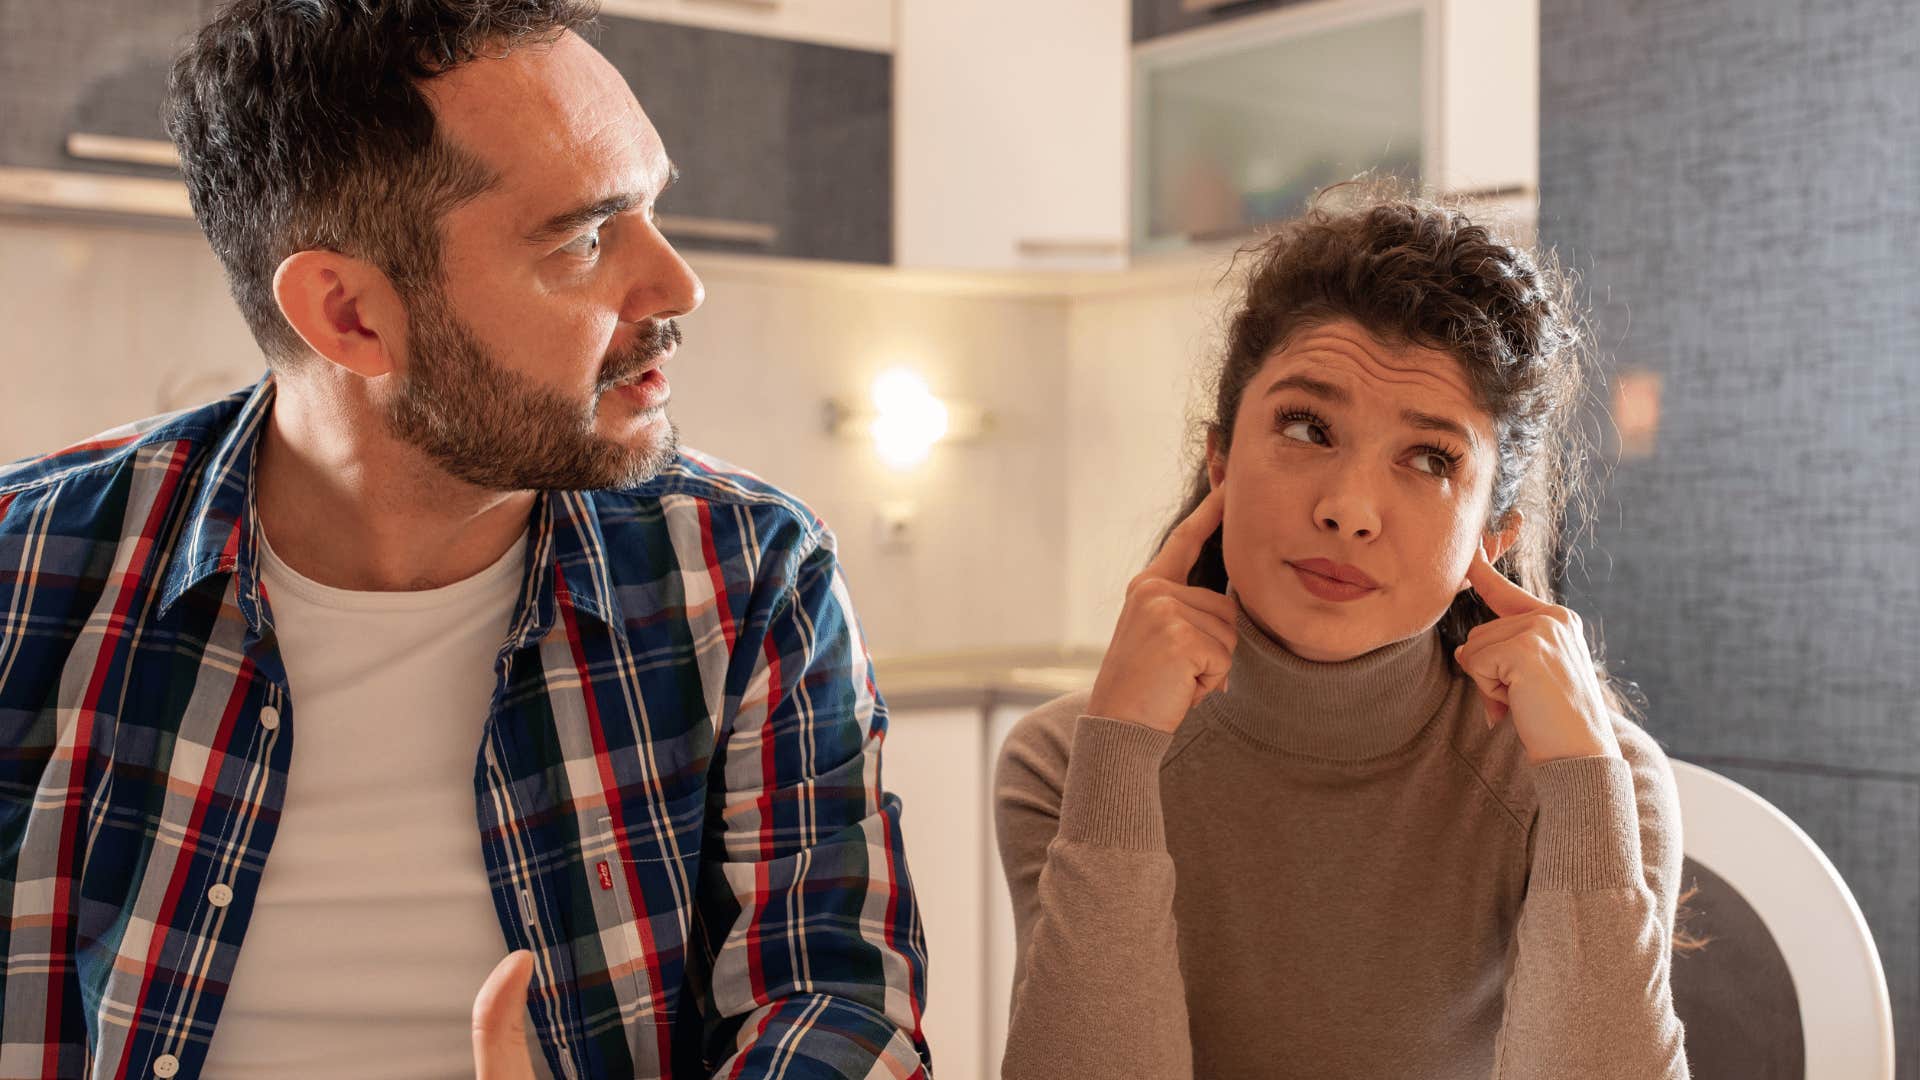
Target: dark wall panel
[{"x": 1739, "y": 183}]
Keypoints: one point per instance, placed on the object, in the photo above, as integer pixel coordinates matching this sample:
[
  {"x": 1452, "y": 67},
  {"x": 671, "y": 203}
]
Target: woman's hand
[
  {"x": 1532, "y": 662},
  {"x": 1174, "y": 642},
  {"x": 499, "y": 1026}
]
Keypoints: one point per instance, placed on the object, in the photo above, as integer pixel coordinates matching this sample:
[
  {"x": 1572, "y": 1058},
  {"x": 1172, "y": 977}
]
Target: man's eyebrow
[
  {"x": 569, "y": 221},
  {"x": 1327, "y": 391}
]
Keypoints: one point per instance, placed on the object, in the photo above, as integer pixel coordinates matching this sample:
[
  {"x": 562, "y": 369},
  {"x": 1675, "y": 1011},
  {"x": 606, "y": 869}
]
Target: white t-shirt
[{"x": 374, "y": 926}]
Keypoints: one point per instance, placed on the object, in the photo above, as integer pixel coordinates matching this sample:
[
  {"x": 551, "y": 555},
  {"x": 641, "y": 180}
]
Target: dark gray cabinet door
[
  {"x": 790, "y": 138},
  {"x": 98, "y": 68},
  {"x": 1157, "y": 18}
]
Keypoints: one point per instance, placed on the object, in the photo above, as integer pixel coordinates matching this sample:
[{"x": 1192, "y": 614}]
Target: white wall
[
  {"x": 766, "y": 351},
  {"x": 103, "y": 322},
  {"x": 1137, "y": 359}
]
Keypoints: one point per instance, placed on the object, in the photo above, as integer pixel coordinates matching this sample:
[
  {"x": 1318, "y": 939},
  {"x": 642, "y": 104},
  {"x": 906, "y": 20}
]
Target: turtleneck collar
[{"x": 1350, "y": 710}]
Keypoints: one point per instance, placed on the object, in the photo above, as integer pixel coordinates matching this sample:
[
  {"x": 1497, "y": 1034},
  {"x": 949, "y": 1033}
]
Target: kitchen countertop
[{"x": 1033, "y": 674}]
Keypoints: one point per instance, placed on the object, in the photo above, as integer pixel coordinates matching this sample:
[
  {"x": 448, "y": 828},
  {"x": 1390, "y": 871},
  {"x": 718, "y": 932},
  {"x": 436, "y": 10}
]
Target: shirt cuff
[
  {"x": 1111, "y": 797},
  {"x": 1587, "y": 836}
]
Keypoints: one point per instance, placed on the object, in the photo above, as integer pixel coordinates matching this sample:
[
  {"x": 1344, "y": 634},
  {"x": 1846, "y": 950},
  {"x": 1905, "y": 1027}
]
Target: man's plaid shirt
[{"x": 677, "y": 788}]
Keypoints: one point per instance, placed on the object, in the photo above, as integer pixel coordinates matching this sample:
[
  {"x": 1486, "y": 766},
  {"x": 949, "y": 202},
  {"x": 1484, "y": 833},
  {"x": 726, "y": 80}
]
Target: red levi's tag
[{"x": 606, "y": 877}]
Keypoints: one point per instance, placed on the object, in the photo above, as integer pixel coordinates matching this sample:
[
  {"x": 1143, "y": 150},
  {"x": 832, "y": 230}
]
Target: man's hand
[{"x": 499, "y": 1024}]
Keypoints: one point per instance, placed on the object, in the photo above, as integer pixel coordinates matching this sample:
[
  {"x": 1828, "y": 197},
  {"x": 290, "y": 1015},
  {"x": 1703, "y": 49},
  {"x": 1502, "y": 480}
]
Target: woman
[{"x": 1344, "y": 800}]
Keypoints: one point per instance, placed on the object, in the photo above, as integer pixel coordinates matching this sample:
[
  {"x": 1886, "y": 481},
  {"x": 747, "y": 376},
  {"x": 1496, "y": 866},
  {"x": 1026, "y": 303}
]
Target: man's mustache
[{"x": 649, "y": 345}]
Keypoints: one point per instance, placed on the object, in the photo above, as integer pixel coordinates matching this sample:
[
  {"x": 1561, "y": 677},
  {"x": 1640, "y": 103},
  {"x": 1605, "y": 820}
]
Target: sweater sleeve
[
  {"x": 1097, "y": 988},
  {"x": 1588, "y": 994}
]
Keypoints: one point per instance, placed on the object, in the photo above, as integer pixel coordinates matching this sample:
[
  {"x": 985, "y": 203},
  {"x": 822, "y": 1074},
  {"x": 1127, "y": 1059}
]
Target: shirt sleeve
[
  {"x": 1588, "y": 994},
  {"x": 1097, "y": 984},
  {"x": 818, "y": 955},
  {"x": 45, "y": 788}
]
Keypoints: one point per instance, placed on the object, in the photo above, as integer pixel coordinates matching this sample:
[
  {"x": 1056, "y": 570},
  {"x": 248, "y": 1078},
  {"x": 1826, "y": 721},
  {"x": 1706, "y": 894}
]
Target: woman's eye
[
  {"x": 1288, "y": 428},
  {"x": 586, "y": 245},
  {"x": 1449, "y": 465}
]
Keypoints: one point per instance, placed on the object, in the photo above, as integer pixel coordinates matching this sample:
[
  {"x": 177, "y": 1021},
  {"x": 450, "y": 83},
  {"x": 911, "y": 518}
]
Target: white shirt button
[
  {"x": 270, "y": 718},
  {"x": 165, "y": 1065},
  {"x": 220, "y": 896}
]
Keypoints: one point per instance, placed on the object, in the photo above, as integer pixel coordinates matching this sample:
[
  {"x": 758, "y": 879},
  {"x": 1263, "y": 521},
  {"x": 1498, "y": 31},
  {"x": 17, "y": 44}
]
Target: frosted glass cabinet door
[{"x": 1236, "y": 129}]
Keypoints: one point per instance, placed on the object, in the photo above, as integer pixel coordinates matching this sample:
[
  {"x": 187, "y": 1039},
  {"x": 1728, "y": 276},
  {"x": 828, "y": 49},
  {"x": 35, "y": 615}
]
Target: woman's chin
[{"x": 1329, "y": 639}]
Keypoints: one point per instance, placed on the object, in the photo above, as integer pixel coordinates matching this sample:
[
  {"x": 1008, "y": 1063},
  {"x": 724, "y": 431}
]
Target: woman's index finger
[
  {"x": 1501, "y": 595},
  {"x": 1183, "y": 545}
]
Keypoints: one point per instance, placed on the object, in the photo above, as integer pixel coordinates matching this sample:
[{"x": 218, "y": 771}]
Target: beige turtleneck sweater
[{"x": 1336, "y": 870}]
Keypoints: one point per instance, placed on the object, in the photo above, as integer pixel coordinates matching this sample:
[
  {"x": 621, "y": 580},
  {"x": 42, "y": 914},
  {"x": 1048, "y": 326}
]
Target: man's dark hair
[{"x": 301, "y": 125}]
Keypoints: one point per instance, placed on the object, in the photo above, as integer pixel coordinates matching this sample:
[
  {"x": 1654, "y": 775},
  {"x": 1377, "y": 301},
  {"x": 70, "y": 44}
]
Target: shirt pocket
[{"x": 615, "y": 860}]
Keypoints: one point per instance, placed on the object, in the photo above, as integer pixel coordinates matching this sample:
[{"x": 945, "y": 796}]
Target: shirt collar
[{"x": 566, "y": 551}]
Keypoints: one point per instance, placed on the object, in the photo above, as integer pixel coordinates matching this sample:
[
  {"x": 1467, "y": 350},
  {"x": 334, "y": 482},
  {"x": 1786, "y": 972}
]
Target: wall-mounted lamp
[{"x": 906, "y": 419}]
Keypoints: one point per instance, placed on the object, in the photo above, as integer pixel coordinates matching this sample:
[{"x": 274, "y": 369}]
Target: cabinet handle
[
  {"x": 1069, "y": 246},
  {"x": 699, "y": 228},
  {"x": 93, "y": 192},
  {"x": 81, "y": 144},
  {"x": 1193, "y": 7}
]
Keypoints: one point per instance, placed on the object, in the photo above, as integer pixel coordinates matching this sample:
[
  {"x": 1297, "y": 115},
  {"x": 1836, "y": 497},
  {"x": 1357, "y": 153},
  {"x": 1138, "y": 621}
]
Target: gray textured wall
[{"x": 1739, "y": 181}]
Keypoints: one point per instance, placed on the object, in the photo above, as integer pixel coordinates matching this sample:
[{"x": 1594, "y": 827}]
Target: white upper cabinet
[
  {"x": 850, "y": 24},
  {"x": 1010, "y": 142}
]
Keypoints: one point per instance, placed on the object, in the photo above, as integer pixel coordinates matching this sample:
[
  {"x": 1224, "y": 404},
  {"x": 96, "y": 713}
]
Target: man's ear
[
  {"x": 345, "y": 309},
  {"x": 1216, "y": 460}
]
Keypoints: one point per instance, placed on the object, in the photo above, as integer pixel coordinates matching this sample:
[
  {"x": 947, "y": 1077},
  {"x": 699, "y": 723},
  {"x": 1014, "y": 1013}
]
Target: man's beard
[{"x": 497, "y": 429}]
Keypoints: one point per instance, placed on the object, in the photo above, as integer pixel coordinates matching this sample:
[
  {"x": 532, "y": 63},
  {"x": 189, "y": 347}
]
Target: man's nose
[{"x": 662, "y": 285}]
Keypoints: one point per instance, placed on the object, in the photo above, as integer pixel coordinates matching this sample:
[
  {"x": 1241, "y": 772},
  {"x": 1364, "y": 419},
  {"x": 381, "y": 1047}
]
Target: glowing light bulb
[{"x": 909, "y": 418}]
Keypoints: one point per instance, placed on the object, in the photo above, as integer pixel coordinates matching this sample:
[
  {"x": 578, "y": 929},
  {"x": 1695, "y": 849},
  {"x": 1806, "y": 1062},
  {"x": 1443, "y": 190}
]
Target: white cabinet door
[
  {"x": 933, "y": 761},
  {"x": 1489, "y": 107},
  {"x": 852, "y": 24},
  {"x": 1011, "y": 134},
  {"x": 1000, "y": 941}
]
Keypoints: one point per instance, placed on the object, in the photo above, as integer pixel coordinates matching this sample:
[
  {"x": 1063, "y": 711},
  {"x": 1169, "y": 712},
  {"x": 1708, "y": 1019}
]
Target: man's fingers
[
  {"x": 1183, "y": 545},
  {"x": 499, "y": 1028}
]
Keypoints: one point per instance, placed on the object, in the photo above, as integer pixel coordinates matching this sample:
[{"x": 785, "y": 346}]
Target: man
[{"x": 432, "y": 646}]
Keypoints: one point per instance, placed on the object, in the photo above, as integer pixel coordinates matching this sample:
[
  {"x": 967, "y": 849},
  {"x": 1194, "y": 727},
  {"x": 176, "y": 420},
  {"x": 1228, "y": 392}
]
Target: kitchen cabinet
[
  {"x": 785, "y": 147},
  {"x": 946, "y": 722},
  {"x": 1012, "y": 134},
  {"x": 853, "y": 24},
  {"x": 786, "y": 143},
  {"x": 1238, "y": 123},
  {"x": 80, "y": 115},
  {"x": 1158, "y": 18},
  {"x": 80, "y": 75}
]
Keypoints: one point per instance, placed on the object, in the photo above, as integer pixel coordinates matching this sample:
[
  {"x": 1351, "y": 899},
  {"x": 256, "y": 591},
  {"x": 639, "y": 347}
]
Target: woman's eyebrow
[{"x": 1326, "y": 391}]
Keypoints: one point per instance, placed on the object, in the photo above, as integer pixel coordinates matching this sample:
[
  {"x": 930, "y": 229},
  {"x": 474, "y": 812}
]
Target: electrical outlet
[{"x": 893, "y": 526}]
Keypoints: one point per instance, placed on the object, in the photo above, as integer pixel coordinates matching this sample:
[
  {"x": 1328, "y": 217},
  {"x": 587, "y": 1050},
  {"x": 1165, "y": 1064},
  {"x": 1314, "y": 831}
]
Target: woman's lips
[{"x": 1327, "y": 588}]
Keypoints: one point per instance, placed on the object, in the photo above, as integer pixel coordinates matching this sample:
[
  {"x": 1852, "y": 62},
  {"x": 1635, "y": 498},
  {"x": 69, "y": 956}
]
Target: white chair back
[{"x": 1845, "y": 1013}]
